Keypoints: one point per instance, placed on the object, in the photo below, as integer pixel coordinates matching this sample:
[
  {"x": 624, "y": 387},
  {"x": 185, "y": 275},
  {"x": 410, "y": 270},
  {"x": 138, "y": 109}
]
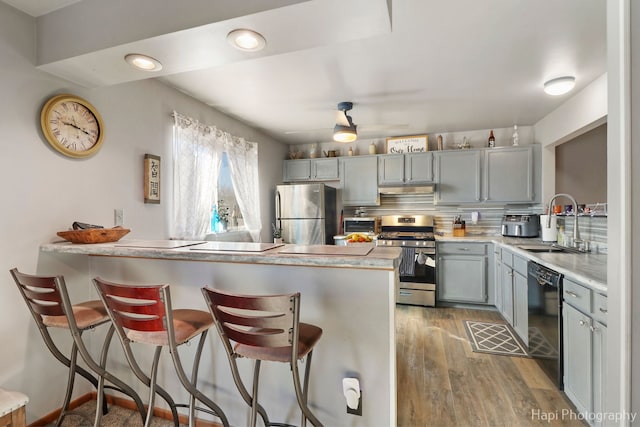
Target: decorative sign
[
  {"x": 408, "y": 144},
  {"x": 151, "y": 178}
]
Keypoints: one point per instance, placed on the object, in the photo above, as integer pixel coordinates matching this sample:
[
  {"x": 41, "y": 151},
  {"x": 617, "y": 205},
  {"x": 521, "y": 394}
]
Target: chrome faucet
[{"x": 576, "y": 233}]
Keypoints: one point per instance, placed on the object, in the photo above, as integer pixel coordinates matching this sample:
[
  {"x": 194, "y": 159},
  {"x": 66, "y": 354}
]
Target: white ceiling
[{"x": 409, "y": 66}]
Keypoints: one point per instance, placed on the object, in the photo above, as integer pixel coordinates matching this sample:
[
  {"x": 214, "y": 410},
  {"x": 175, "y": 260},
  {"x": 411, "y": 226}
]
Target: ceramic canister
[{"x": 549, "y": 234}]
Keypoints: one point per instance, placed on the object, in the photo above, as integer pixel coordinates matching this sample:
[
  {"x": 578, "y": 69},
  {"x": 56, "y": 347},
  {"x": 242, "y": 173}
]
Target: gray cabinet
[
  {"x": 584, "y": 341},
  {"x": 403, "y": 169},
  {"x": 359, "y": 177},
  {"x": 493, "y": 176},
  {"x": 497, "y": 274},
  {"x": 508, "y": 175},
  {"x": 577, "y": 357},
  {"x": 514, "y": 288},
  {"x": 325, "y": 169},
  {"x": 462, "y": 272},
  {"x": 458, "y": 176}
]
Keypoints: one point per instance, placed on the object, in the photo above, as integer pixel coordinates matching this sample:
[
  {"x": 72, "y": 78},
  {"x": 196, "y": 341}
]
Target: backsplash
[{"x": 593, "y": 229}]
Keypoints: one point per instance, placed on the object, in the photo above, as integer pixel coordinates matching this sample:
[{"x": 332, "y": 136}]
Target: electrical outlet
[
  {"x": 118, "y": 216},
  {"x": 358, "y": 410}
]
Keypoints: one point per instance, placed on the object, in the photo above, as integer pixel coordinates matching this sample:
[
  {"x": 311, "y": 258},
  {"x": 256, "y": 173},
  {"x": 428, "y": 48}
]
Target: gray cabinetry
[
  {"x": 402, "y": 169},
  {"x": 458, "y": 176},
  {"x": 462, "y": 272},
  {"x": 497, "y": 272},
  {"x": 500, "y": 175},
  {"x": 325, "y": 169},
  {"x": 577, "y": 357},
  {"x": 514, "y": 288},
  {"x": 359, "y": 179},
  {"x": 584, "y": 341},
  {"x": 508, "y": 175}
]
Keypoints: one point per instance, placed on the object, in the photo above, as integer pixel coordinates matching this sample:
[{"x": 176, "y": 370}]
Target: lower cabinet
[
  {"x": 513, "y": 288},
  {"x": 584, "y": 343},
  {"x": 462, "y": 272}
]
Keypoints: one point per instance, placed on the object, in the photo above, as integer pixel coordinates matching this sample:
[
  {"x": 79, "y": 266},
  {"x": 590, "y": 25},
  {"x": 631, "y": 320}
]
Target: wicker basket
[{"x": 94, "y": 235}]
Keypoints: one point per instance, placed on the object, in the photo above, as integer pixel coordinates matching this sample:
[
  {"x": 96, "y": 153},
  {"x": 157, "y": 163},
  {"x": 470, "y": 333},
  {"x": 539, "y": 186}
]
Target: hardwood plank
[{"x": 442, "y": 382}]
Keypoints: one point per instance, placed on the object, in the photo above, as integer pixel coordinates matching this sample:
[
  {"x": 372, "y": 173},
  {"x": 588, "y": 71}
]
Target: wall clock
[{"x": 72, "y": 126}]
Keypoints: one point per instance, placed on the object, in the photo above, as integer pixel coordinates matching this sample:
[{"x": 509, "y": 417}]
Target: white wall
[{"x": 44, "y": 192}]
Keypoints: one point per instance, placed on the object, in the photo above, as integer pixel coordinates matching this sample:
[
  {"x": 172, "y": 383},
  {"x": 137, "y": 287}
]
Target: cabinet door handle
[
  {"x": 582, "y": 322},
  {"x": 572, "y": 294},
  {"x": 603, "y": 310},
  {"x": 594, "y": 329},
  {"x": 464, "y": 249},
  {"x": 405, "y": 293}
]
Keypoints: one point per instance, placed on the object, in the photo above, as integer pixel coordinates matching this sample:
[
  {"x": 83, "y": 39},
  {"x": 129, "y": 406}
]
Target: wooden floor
[{"x": 441, "y": 382}]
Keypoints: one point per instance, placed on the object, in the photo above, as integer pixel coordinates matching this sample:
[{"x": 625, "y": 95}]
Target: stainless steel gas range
[{"x": 414, "y": 234}]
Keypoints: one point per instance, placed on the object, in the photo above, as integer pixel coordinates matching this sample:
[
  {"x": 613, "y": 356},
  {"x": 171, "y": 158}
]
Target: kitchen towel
[{"x": 408, "y": 263}]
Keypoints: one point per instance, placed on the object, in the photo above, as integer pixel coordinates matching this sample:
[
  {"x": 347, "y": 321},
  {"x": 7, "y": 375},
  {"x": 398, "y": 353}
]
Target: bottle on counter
[
  {"x": 440, "y": 145},
  {"x": 492, "y": 140},
  {"x": 372, "y": 148},
  {"x": 350, "y": 152},
  {"x": 561, "y": 236}
]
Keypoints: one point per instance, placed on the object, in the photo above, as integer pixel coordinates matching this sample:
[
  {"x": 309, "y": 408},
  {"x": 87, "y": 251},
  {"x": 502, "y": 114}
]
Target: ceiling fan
[{"x": 345, "y": 130}]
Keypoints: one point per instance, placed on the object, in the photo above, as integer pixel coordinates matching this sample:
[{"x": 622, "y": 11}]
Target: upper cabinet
[
  {"x": 458, "y": 176},
  {"x": 325, "y": 169},
  {"x": 508, "y": 175},
  {"x": 360, "y": 181},
  {"x": 405, "y": 169},
  {"x": 499, "y": 175}
]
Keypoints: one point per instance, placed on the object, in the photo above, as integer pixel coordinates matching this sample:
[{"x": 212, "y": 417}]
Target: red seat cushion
[
  {"x": 187, "y": 324},
  {"x": 87, "y": 314},
  {"x": 308, "y": 337}
]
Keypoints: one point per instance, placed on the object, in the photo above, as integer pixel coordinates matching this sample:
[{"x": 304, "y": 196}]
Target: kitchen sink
[{"x": 542, "y": 248}]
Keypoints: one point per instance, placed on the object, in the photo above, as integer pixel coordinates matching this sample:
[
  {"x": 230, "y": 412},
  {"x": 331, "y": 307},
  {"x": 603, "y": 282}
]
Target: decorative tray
[{"x": 94, "y": 235}]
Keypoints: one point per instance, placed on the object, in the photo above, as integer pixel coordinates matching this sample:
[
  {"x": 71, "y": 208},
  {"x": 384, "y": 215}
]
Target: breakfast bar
[{"x": 347, "y": 291}]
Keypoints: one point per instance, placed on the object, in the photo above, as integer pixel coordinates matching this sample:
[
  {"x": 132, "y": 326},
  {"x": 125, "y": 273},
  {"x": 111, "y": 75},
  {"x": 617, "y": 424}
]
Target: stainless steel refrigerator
[{"x": 306, "y": 213}]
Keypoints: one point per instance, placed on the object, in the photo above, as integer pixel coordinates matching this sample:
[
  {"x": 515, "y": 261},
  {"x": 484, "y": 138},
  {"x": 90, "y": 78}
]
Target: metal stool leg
[
  {"x": 152, "y": 385},
  {"x": 190, "y": 386},
  {"x": 254, "y": 392},
  {"x": 300, "y": 395},
  {"x": 70, "y": 382},
  {"x": 147, "y": 381}
]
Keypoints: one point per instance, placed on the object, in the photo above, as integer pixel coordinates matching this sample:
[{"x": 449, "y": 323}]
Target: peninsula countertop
[{"x": 379, "y": 258}]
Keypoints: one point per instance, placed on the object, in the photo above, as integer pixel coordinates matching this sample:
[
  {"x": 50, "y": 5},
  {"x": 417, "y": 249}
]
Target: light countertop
[
  {"x": 589, "y": 269},
  {"x": 380, "y": 258}
]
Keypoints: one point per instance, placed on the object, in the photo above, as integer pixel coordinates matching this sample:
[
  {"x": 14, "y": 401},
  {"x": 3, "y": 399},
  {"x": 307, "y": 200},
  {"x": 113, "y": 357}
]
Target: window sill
[{"x": 230, "y": 236}]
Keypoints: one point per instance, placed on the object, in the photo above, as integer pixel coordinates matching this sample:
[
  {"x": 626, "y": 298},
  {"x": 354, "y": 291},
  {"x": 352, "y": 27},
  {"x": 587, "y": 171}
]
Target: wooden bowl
[{"x": 94, "y": 235}]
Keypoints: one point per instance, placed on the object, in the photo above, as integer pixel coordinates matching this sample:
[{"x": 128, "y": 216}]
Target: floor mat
[{"x": 494, "y": 338}]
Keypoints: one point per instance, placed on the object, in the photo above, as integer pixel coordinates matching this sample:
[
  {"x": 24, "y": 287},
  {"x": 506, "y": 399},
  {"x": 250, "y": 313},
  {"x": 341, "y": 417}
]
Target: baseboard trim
[{"x": 124, "y": 403}]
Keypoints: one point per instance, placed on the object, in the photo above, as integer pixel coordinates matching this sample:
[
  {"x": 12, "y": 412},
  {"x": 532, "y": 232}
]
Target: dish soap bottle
[{"x": 561, "y": 236}]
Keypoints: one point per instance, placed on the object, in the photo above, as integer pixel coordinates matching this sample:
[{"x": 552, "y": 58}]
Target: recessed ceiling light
[
  {"x": 246, "y": 40},
  {"x": 143, "y": 62},
  {"x": 559, "y": 86}
]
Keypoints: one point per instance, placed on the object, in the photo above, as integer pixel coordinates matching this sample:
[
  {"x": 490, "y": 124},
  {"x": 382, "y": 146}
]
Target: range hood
[{"x": 422, "y": 189}]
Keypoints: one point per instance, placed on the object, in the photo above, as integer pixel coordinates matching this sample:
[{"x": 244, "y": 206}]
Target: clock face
[{"x": 72, "y": 126}]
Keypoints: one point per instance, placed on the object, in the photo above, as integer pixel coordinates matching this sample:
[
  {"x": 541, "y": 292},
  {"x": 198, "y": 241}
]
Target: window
[
  {"x": 226, "y": 215},
  {"x": 215, "y": 178}
]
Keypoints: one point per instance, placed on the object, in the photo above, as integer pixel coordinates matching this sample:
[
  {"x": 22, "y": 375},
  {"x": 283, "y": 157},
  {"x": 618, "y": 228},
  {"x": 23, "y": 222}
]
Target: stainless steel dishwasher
[{"x": 545, "y": 319}]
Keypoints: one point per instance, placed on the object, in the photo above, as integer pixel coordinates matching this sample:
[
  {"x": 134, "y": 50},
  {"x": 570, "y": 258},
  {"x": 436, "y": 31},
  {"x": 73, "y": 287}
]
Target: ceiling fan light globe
[{"x": 344, "y": 134}]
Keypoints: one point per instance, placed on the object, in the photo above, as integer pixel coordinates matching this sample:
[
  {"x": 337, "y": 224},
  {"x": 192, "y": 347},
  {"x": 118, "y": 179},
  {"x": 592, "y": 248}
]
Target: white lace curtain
[{"x": 197, "y": 154}]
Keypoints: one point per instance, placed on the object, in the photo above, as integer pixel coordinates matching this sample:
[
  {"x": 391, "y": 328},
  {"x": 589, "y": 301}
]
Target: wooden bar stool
[
  {"x": 48, "y": 301},
  {"x": 12, "y": 408},
  {"x": 264, "y": 328},
  {"x": 143, "y": 314}
]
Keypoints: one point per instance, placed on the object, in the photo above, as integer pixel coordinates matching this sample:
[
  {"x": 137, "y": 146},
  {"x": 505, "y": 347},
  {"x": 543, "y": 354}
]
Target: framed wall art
[
  {"x": 151, "y": 178},
  {"x": 408, "y": 144}
]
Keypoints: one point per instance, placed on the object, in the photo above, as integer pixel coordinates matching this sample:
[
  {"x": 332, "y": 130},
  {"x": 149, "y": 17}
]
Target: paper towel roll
[{"x": 550, "y": 233}]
